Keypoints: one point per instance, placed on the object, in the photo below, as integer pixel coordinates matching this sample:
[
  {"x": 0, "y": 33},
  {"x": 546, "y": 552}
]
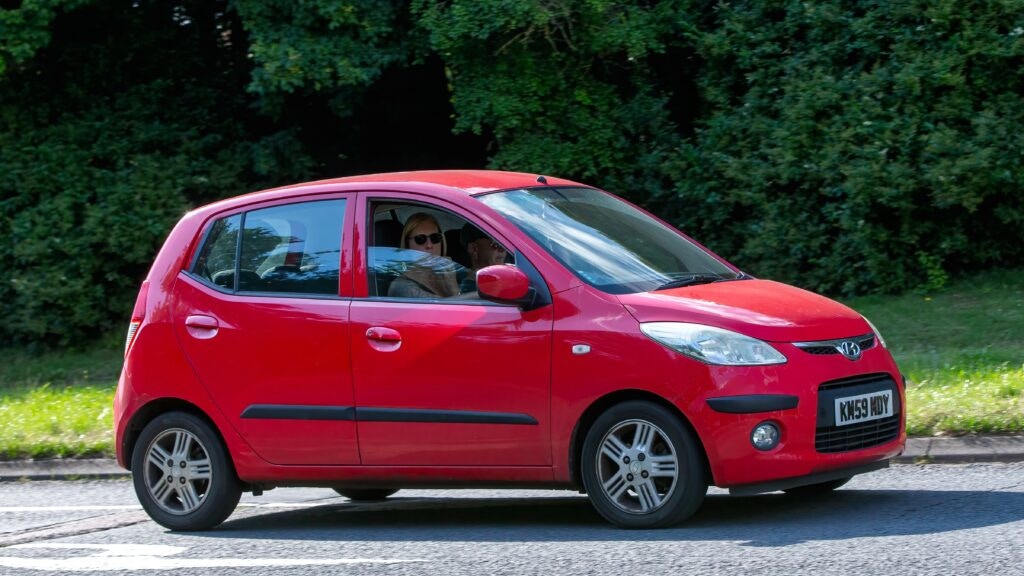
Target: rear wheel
[
  {"x": 365, "y": 494},
  {"x": 641, "y": 467},
  {"x": 182, "y": 474}
]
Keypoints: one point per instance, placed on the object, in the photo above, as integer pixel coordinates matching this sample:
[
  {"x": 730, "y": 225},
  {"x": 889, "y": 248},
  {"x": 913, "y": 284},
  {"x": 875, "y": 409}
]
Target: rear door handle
[
  {"x": 200, "y": 321},
  {"x": 201, "y": 326}
]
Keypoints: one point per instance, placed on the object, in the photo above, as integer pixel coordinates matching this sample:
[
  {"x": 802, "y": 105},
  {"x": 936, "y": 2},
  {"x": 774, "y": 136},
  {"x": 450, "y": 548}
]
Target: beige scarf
[{"x": 438, "y": 279}]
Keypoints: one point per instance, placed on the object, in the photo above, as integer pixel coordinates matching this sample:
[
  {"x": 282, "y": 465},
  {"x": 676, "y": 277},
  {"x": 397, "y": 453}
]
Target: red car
[{"x": 476, "y": 328}]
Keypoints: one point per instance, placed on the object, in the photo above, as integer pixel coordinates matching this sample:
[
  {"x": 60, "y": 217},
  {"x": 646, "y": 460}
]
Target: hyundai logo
[{"x": 850, "y": 349}]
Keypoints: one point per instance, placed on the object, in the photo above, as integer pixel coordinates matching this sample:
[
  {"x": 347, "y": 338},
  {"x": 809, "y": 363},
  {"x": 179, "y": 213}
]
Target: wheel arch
[
  {"x": 156, "y": 408},
  {"x": 599, "y": 406}
]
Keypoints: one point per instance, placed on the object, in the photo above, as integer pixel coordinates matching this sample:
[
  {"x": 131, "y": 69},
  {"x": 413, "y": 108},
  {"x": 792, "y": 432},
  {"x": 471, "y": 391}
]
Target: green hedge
[
  {"x": 123, "y": 119},
  {"x": 848, "y": 147},
  {"x": 860, "y": 146}
]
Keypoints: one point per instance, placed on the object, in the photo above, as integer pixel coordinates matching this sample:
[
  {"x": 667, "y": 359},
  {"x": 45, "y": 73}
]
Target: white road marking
[
  {"x": 110, "y": 557},
  {"x": 67, "y": 508},
  {"x": 119, "y": 507}
]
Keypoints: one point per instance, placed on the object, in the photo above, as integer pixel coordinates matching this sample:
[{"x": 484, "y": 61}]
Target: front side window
[
  {"x": 421, "y": 251},
  {"x": 294, "y": 248},
  {"x": 607, "y": 242}
]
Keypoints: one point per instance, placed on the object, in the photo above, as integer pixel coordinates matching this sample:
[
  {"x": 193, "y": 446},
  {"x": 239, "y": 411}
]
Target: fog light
[{"x": 765, "y": 436}]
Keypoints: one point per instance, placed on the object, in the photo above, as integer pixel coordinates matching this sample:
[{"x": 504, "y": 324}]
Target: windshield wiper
[
  {"x": 691, "y": 280},
  {"x": 741, "y": 276}
]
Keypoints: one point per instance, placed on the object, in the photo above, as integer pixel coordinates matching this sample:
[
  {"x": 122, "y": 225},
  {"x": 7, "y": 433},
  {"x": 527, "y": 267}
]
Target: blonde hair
[{"x": 414, "y": 221}]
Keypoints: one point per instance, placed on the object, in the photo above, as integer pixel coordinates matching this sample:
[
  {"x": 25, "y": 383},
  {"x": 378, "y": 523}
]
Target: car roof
[
  {"x": 443, "y": 182},
  {"x": 468, "y": 181}
]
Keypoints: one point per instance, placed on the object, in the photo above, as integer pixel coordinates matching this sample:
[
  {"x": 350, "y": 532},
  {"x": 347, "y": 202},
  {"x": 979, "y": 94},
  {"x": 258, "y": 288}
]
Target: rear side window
[{"x": 295, "y": 248}]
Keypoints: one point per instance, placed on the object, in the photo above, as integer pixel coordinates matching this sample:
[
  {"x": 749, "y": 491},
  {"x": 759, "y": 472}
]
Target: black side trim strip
[
  {"x": 441, "y": 416},
  {"x": 297, "y": 412},
  {"x": 752, "y": 403}
]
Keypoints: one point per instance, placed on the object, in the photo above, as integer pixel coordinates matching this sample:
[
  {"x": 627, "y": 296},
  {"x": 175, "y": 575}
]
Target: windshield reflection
[{"x": 606, "y": 242}]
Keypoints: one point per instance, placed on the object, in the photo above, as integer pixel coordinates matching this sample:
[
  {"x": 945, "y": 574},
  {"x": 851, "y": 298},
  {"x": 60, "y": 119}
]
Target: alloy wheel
[
  {"x": 178, "y": 472},
  {"x": 638, "y": 467}
]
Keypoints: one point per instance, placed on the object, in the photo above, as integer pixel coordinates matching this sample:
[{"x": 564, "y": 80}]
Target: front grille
[
  {"x": 856, "y": 436},
  {"x": 830, "y": 439},
  {"x": 826, "y": 347},
  {"x": 880, "y": 378}
]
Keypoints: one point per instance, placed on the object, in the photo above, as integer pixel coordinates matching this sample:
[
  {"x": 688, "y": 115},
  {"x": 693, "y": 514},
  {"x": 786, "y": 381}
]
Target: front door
[{"x": 446, "y": 381}]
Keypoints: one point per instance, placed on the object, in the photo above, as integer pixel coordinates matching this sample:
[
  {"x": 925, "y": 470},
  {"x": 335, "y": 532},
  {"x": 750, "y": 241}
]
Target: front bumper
[
  {"x": 810, "y": 479},
  {"x": 799, "y": 398}
]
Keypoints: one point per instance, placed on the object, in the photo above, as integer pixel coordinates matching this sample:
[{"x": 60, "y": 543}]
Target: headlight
[
  {"x": 877, "y": 333},
  {"x": 712, "y": 345}
]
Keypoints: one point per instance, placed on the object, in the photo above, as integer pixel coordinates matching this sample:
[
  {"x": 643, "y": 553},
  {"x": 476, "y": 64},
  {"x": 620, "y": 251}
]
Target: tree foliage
[
  {"x": 859, "y": 146},
  {"x": 322, "y": 44},
  {"x": 570, "y": 88},
  {"x": 844, "y": 146},
  {"x": 102, "y": 149}
]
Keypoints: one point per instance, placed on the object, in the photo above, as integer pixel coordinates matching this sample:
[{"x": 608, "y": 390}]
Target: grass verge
[
  {"x": 45, "y": 422},
  {"x": 59, "y": 403},
  {"x": 962, "y": 351}
]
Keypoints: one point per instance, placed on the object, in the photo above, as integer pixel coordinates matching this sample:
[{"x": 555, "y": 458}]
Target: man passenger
[{"x": 481, "y": 252}]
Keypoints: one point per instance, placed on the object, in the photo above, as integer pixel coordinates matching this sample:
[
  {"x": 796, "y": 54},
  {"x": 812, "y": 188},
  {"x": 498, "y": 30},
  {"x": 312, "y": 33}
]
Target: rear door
[{"x": 263, "y": 318}]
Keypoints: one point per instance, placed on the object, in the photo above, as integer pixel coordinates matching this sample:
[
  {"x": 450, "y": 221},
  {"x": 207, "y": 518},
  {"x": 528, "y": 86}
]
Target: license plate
[{"x": 863, "y": 408}]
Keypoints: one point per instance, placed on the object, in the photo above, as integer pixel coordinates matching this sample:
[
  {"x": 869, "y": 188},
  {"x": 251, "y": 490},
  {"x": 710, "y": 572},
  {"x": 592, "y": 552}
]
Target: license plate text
[{"x": 863, "y": 408}]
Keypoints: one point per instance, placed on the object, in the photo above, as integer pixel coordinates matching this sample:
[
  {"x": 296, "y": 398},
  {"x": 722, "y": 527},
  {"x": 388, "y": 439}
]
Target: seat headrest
[{"x": 387, "y": 233}]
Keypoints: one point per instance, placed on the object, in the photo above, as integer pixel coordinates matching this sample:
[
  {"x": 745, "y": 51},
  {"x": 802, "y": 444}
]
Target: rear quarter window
[{"x": 216, "y": 262}]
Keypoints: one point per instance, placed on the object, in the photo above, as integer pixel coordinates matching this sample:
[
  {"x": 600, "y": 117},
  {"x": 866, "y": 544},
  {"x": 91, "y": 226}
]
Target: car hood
[{"x": 763, "y": 309}]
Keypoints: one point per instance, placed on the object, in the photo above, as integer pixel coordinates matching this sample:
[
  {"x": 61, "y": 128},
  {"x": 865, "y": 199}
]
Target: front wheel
[
  {"x": 182, "y": 474},
  {"x": 642, "y": 467}
]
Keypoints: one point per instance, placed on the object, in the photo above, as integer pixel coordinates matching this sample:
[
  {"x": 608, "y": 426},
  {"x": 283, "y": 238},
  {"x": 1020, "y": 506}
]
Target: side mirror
[{"x": 504, "y": 284}]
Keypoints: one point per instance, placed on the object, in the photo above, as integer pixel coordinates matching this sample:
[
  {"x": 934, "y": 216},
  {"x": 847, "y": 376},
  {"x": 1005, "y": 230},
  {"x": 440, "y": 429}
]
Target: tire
[
  {"x": 182, "y": 474},
  {"x": 642, "y": 467},
  {"x": 365, "y": 494},
  {"x": 818, "y": 489}
]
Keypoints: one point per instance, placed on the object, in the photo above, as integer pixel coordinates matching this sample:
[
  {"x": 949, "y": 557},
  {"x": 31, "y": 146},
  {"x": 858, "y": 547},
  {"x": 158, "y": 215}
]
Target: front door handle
[
  {"x": 201, "y": 327},
  {"x": 383, "y": 339},
  {"x": 382, "y": 334}
]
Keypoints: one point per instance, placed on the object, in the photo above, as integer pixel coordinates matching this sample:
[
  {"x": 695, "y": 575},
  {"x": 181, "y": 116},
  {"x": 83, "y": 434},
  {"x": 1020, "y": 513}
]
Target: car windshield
[{"x": 607, "y": 242}]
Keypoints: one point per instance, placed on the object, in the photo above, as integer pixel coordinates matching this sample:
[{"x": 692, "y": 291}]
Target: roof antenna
[{"x": 542, "y": 180}]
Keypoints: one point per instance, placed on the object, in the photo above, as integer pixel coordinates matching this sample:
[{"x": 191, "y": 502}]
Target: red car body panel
[
  {"x": 760, "y": 308},
  {"x": 397, "y": 360},
  {"x": 304, "y": 353},
  {"x": 468, "y": 358}
]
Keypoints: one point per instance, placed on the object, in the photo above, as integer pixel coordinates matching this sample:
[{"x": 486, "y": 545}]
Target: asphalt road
[{"x": 909, "y": 519}]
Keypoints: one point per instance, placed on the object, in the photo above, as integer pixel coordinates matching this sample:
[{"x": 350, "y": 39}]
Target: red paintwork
[
  {"x": 760, "y": 308},
  {"x": 273, "y": 351},
  {"x": 453, "y": 357},
  {"x": 465, "y": 181},
  {"x": 503, "y": 282},
  {"x": 221, "y": 353}
]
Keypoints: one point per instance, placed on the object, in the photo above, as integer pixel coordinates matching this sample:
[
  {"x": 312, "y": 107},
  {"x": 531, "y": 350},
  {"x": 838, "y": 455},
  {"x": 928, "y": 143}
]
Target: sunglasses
[{"x": 421, "y": 239}]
